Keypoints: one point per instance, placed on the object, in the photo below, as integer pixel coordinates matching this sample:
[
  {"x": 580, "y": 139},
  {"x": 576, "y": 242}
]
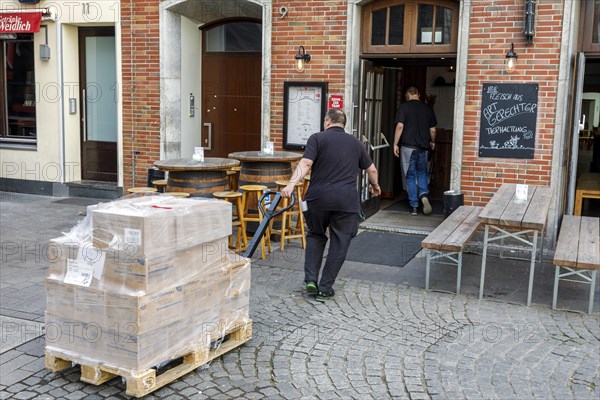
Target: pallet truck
[{"x": 269, "y": 214}]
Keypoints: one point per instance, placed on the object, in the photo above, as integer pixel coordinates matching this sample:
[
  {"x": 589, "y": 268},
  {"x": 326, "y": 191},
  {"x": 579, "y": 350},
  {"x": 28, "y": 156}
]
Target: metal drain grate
[{"x": 10, "y": 197}]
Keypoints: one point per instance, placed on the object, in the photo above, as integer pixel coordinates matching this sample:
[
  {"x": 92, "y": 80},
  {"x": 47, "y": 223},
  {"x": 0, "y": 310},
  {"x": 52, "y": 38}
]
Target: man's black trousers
[{"x": 343, "y": 226}]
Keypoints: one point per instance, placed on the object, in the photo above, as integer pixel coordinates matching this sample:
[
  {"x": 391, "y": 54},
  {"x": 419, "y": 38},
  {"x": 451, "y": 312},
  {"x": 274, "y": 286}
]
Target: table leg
[
  {"x": 459, "y": 272},
  {"x": 592, "y": 289},
  {"x": 427, "y": 266},
  {"x": 532, "y": 266},
  {"x": 483, "y": 260}
]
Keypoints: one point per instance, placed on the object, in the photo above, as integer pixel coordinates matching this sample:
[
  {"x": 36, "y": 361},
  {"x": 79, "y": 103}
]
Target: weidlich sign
[
  {"x": 20, "y": 22},
  {"x": 508, "y": 120}
]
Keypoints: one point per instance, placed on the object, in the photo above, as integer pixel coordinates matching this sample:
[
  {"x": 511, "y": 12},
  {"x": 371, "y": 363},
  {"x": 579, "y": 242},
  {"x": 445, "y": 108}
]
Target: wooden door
[
  {"x": 98, "y": 103},
  {"x": 231, "y": 103}
]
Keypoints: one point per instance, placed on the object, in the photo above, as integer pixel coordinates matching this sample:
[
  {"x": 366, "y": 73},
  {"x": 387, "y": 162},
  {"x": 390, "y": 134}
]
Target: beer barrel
[
  {"x": 264, "y": 173},
  {"x": 197, "y": 183}
]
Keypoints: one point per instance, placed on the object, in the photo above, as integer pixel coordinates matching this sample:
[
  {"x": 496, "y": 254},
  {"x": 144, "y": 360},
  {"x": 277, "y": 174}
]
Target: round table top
[
  {"x": 188, "y": 164},
  {"x": 260, "y": 156}
]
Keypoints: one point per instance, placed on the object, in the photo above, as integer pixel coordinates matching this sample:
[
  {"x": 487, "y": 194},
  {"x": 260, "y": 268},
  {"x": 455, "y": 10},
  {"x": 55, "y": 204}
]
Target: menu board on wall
[
  {"x": 508, "y": 120},
  {"x": 303, "y": 112}
]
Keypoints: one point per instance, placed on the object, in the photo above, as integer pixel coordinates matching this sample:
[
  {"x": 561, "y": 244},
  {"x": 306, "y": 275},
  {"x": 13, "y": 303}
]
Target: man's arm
[
  {"x": 301, "y": 171},
  {"x": 374, "y": 180},
  {"x": 397, "y": 135},
  {"x": 432, "y": 132}
]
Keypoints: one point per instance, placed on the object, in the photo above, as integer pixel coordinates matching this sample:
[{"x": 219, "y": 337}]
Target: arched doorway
[{"x": 231, "y": 87}]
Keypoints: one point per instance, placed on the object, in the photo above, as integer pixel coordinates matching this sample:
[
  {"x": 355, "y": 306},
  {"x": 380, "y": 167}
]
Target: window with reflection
[
  {"x": 240, "y": 36},
  {"x": 596, "y": 23},
  {"x": 17, "y": 85},
  {"x": 434, "y": 24}
]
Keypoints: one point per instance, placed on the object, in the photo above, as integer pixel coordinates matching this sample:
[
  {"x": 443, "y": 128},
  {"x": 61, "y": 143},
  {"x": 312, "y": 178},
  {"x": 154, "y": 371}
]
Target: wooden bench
[
  {"x": 450, "y": 238},
  {"x": 578, "y": 252},
  {"x": 588, "y": 187}
]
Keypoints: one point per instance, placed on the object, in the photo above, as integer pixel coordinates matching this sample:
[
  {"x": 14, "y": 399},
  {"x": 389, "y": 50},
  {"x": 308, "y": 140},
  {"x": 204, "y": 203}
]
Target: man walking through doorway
[
  {"x": 413, "y": 138},
  {"x": 335, "y": 159}
]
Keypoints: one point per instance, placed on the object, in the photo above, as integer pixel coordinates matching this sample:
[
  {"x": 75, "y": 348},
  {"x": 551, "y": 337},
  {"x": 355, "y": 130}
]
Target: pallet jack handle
[{"x": 269, "y": 214}]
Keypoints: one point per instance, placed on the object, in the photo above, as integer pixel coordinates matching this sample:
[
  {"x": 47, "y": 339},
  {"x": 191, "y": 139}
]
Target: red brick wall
[
  {"x": 141, "y": 88},
  {"x": 494, "y": 25},
  {"x": 319, "y": 26}
]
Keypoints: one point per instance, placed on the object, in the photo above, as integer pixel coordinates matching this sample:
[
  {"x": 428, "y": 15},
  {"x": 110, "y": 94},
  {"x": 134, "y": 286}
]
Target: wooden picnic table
[{"x": 518, "y": 221}]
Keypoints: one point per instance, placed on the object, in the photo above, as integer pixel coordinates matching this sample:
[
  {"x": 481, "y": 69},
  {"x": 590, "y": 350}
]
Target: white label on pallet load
[
  {"x": 133, "y": 236},
  {"x": 89, "y": 263}
]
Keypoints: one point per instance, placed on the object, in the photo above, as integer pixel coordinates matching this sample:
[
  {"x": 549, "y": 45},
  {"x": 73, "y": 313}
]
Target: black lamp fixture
[
  {"x": 510, "y": 64},
  {"x": 529, "y": 21},
  {"x": 301, "y": 58}
]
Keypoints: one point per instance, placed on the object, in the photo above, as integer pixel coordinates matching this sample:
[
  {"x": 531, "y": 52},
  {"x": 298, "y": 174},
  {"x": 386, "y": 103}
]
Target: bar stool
[
  {"x": 235, "y": 198},
  {"x": 142, "y": 190},
  {"x": 247, "y": 191},
  {"x": 177, "y": 194},
  {"x": 232, "y": 179},
  {"x": 160, "y": 185},
  {"x": 286, "y": 231}
]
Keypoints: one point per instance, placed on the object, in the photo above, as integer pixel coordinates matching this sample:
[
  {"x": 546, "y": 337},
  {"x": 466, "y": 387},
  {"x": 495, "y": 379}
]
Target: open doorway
[
  {"x": 435, "y": 79},
  {"x": 588, "y": 154}
]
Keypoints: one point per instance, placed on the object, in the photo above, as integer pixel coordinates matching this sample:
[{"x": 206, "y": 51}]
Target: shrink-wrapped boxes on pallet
[{"x": 134, "y": 286}]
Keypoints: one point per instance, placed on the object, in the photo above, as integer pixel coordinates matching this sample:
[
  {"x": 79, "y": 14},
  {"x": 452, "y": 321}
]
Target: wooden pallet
[{"x": 141, "y": 383}]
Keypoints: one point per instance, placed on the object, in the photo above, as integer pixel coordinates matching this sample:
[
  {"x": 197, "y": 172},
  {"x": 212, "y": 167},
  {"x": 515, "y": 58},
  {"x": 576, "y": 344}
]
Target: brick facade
[
  {"x": 494, "y": 25},
  {"x": 141, "y": 88},
  {"x": 321, "y": 28}
]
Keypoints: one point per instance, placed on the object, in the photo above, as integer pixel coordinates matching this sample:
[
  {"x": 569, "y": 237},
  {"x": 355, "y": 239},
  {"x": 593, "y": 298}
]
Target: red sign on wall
[
  {"x": 20, "y": 22},
  {"x": 335, "y": 101}
]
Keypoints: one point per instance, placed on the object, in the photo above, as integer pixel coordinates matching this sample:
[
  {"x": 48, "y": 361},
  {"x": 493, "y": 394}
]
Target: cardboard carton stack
[{"x": 144, "y": 280}]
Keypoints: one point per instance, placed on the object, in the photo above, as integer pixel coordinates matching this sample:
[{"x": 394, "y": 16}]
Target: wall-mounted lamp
[
  {"x": 529, "y": 21},
  {"x": 301, "y": 58},
  {"x": 510, "y": 64}
]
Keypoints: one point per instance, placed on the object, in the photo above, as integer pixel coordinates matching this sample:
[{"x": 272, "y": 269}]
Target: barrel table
[
  {"x": 197, "y": 178},
  {"x": 260, "y": 168},
  {"x": 265, "y": 169}
]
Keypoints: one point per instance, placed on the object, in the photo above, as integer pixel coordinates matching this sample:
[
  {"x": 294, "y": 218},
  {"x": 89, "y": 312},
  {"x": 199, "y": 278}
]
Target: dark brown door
[
  {"x": 98, "y": 104},
  {"x": 231, "y": 103}
]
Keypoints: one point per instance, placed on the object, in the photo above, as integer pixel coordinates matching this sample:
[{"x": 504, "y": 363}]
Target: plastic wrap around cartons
[
  {"x": 137, "y": 332},
  {"x": 142, "y": 281}
]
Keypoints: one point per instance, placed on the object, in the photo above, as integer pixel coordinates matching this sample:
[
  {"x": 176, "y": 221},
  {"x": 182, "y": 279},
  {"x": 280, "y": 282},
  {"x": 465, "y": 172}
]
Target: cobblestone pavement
[{"x": 378, "y": 338}]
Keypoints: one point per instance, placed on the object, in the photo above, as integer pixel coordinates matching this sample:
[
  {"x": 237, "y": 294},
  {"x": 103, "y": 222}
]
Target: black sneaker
[
  {"x": 311, "y": 287},
  {"x": 414, "y": 211},
  {"x": 426, "y": 205},
  {"x": 322, "y": 296}
]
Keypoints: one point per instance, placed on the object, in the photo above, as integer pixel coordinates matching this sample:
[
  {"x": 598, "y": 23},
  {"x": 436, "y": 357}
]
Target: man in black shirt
[
  {"x": 415, "y": 133},
  {"x": 335, "y": 159}
]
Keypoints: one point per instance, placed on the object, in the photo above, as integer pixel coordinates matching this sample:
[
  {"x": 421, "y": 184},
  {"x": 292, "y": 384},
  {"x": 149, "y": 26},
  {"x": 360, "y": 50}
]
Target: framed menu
[
  {"x": 508, "y": 120},
  {"x": 304, "y": 109}
]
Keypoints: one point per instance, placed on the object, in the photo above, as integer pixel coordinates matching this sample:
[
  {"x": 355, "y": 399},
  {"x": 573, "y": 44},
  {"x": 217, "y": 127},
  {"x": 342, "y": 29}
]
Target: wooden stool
[
  {"x": 232, "y": 179},
  {"x": 248, "y": 190},
  {"x": 286, "y": 231},
  {"x": 160, "y": 185},
  {"x": 177, "y": 194},
  {"x": 235, "y": 198},
  {"x": 142, "y": 190}
]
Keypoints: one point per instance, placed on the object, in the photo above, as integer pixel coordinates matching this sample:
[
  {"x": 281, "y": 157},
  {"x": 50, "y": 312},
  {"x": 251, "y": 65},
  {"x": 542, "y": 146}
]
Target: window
[
  {"x": 17, "y": 84},
  {"x": 235, "y": 37},
  {"x": 410, "y": 26},
  {"x": 590, "y": 11}
]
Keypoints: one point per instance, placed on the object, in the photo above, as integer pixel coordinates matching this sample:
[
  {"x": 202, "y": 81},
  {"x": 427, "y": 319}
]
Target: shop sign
[
  {"x": 508, "y": 120},
  {"x": 335, "y": 101},
  {"x": 20, "y": 22}
]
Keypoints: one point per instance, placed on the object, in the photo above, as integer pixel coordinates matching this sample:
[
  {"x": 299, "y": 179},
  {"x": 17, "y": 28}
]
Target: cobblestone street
[{"x": 380, "y": 337}]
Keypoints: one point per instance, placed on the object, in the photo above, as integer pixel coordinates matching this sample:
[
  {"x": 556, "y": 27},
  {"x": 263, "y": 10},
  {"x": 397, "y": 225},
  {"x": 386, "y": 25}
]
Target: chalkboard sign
[{"x": 508, "y": 120}]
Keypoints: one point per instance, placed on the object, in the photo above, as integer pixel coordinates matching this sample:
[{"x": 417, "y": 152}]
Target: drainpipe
[
  {"x": 133, "y": 154},
  {"x": 61, "y": 120}
]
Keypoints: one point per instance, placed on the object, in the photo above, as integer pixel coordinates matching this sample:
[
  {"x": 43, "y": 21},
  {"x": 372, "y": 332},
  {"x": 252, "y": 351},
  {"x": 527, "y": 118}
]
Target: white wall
[
  {"x": 444, "y": 103},
  {"x": 58, "y": 145},
  {"x": 191, "y": 53}
]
